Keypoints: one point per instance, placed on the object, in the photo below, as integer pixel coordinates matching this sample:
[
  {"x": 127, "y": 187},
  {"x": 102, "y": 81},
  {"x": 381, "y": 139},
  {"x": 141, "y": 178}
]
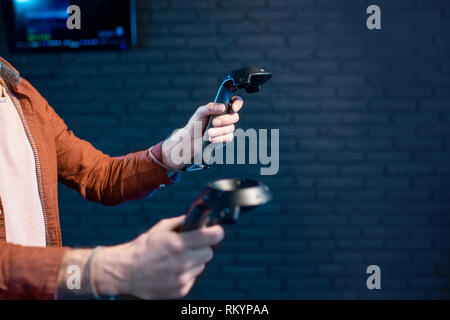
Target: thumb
[
  {"x": 170, "y": 224},
  {"x": 210, "y": 109}
]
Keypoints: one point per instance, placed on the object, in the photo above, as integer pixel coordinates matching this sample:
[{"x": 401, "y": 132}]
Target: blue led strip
[{"x": 133, "y": 29}]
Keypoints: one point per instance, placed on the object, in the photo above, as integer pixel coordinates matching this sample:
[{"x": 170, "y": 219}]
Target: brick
[
  {"x": 361, "y": 170},
  {"x": 259, "y": 284},
  {"x": 360, "y": 92},
  {"x": 290, "y": 3},
  {"x": 271, "y": 15},
  {"x": 409, "y": 170},
  {"x": 391, "y": 157},
  {"x": 419, "y": 144},
  {"x": 415, "y": 119},
  {"x": 359, "y": 119},
  {"x": 309, "y": 283},
  {"x": 251, "y": 272},
  {"x": 192, "y": 4},
  {"x": 343, "y": 105},
  {"x": 430, "y": 283},
  {"x": 339, "y": 183},
  {"x": 373, "y": 144},
  {"x": 237, "y": 3},
  {"x": 362, "y": 245},
  {"x": 320, "y": 66}
]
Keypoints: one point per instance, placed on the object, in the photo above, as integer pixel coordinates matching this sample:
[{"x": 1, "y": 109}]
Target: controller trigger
[{"x": 229, "y": 107}]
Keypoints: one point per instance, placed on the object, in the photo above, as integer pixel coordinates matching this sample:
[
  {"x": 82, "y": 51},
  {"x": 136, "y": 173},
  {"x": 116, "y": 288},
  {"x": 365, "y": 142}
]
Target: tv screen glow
[{"x": 41, "y": 25}]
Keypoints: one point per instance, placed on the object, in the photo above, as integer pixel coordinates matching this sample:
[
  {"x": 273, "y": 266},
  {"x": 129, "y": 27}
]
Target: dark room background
[{"x": 364, "y": 125}]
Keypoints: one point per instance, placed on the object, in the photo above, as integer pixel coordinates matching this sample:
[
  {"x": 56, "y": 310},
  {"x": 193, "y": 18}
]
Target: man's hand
[
  {"x": 188, "y": 138},
  {"x": 159, "y": 264}
]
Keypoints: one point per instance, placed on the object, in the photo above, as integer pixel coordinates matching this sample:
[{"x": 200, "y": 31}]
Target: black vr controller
[
  {"x": 250, "y": 79},
  {"x": 223, "y": 200}
]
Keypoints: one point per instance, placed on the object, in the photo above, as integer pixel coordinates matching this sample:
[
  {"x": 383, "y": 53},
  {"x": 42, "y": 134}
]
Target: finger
[
  {"x": 220, "y": 131},
  {"x": 187, "y": 278},
  {"x": 211, "y": 108},
  {"x": 238, "y": 102},
  {"x": 192, "y": 258},
  {"x": 170, "y": 223},
  {"x": 192, "y": 273},
  {"x": 226, "y": 119},
  {"x": 187, "y": 288},
  {"x": 204, "y": 237},
  {"x": 220, "y": 139}
]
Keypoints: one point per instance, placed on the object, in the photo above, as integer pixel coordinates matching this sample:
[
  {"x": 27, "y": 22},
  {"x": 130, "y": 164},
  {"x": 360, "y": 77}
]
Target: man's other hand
[
  {"x": 189, "y": 138},
  {"x": 160, "y": 264}
]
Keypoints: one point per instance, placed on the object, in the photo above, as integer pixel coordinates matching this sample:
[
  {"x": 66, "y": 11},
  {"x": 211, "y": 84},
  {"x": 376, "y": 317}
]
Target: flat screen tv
[{"x": 42, "y": 25}]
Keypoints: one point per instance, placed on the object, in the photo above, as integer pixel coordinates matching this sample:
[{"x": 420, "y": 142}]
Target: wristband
[
  {"x": 154, "y": 158},
  {"x": 90, "y": 280}
]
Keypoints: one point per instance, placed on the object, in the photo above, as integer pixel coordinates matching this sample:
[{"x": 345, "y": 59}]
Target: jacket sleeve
[
  {"x": 29, "y": 272},
  {"x": 99, "y": 177}
]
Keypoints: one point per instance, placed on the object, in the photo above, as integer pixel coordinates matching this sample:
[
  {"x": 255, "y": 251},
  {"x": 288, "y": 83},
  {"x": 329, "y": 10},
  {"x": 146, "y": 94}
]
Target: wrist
[
  {"x": 109, "y": 269},
  {"x": 183, "y": 146},
  {"x": 167, "y": 149},
  {"x": 72, "y": 282}
]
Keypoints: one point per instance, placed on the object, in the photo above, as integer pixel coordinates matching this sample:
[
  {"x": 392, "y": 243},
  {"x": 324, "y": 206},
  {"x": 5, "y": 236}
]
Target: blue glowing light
[{"x": 119, "y": 31}]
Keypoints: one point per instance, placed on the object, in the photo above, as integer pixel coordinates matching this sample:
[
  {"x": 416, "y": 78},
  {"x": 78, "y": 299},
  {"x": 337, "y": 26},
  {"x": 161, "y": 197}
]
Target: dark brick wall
[{"x": 364, "y": 124}]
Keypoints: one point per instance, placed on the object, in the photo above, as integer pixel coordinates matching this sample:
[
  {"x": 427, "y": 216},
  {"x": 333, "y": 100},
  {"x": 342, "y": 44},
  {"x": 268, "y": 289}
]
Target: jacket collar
[{"x": 8, "y": 73}]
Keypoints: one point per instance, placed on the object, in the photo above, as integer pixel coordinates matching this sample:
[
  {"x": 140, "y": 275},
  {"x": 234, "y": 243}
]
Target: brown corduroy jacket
[{"x": 31, "y": 272}]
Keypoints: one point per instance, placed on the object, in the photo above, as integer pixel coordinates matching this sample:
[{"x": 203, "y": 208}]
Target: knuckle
[
  {"x": 161, "y": 223},
  {"x": 203, "y": 109},
  {"x": 147, "y": 239},
  {"x": 182, "y": 281},
  {"x": 164, "y": 223},
  {"x": 182, "y": 292},
  {"x": 175, "y": 245},
  {"x": 209, "y": 254}
]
